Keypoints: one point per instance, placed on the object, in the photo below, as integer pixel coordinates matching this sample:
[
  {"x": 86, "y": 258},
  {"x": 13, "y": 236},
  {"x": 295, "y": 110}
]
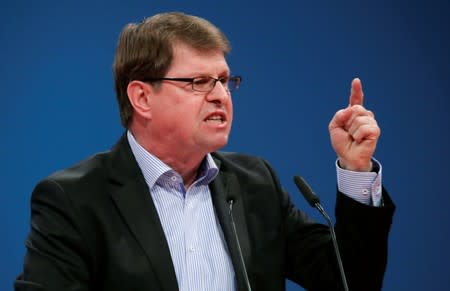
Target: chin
[{"x": 218, "y": 144}]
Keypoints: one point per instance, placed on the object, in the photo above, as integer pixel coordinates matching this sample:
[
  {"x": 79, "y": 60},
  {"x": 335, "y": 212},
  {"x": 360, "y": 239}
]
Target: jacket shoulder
[
  {"x": 93, "y": 166},
  {"x": 233, "y": 159},
  {"x": 244, "y": 165}
]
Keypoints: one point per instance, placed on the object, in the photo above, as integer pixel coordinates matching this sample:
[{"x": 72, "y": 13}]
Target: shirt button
[
  {"x": 191, "y": 249},
  {"x": 365, "y": 192},
  {"x": 173, "y": 178}
]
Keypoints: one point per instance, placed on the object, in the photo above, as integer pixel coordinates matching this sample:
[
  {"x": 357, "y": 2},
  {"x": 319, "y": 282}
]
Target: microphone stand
[{"x": 314, "y": 201}]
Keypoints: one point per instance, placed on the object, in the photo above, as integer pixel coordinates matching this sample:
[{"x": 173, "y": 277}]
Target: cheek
[
  {"x": 187, "y": 120},
  {"x": 230, "y": 111},
  {"x": 182, "y": 115}
]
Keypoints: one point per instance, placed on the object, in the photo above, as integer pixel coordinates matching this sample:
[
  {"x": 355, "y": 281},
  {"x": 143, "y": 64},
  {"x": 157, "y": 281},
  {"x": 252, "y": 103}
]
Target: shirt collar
[{"x": 153, "y": 168}]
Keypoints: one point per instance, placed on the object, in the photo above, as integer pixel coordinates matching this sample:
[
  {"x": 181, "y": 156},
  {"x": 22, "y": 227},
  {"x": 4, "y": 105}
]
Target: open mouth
[{"x": 216, "y": 118}]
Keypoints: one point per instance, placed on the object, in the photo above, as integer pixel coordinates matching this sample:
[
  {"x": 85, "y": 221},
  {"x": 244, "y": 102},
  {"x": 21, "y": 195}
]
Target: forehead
[{"x": 188, "y": 60}]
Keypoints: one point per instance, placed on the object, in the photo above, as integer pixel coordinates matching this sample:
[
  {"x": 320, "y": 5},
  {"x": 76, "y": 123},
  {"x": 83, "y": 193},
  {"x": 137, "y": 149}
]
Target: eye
[
  {"x": 200, "y": 81},
  {"x": 224, "y": 80}
]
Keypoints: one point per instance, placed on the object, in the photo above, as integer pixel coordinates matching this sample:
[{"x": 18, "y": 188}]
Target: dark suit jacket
[{"x": 94, "y": 227}]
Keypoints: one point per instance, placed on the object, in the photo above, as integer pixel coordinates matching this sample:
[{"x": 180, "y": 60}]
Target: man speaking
[{"x": 154, "y": 212}]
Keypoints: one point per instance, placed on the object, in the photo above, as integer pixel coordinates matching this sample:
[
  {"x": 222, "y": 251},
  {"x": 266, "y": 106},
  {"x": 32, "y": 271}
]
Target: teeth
[{"x": 215, "y": 118}]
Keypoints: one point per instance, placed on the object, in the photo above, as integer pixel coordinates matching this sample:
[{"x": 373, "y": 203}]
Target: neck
[
  {"x": 186, "y": 166},
  {"x": 186, "y": 162}
]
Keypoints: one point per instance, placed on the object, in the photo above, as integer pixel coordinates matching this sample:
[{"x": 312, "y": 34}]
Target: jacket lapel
[
  {"x": 134, "y": 202},
  {"x": 130, "y": 194},
  {"x": 224, "y": 186}
]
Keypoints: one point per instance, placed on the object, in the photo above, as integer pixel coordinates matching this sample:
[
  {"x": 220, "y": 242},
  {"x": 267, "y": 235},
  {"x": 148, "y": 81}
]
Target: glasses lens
[
  {"x": 206, "y": 84},
  {"x": 234, "y": 82},
  {"x": 203, "y": 84}
]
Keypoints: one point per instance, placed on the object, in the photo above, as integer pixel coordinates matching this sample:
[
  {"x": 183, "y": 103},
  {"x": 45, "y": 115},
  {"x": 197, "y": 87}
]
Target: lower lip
[{"x": 216, "y": 124}]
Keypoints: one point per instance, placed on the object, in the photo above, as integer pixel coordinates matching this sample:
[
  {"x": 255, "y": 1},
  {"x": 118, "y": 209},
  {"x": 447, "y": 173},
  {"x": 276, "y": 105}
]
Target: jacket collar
[{"x": 223, "y": 188}]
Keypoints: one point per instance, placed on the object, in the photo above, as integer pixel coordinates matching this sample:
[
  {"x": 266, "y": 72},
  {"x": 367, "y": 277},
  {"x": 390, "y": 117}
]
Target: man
[{"x": 152, "y": 213}]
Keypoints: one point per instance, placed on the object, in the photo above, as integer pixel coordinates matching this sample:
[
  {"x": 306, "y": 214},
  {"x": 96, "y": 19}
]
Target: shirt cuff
[{"x": 364, "y": 187}]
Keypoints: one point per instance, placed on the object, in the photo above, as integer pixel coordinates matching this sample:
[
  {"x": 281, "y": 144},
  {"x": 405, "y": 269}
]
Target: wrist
[{"x": 356, "y": 167}]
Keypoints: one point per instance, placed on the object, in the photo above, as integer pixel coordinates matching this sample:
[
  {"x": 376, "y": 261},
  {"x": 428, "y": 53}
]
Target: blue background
[{"x": 297, "y": 59}]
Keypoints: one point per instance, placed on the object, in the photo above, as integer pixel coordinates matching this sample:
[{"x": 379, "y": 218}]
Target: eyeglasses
[{"x": 205, "y": 84}]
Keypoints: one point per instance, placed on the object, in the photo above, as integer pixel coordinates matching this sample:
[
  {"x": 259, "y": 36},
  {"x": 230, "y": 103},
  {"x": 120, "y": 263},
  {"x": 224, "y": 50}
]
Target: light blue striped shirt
[
  {"x": 197, "y": 246},
  {"x": 198, "y": 249}
]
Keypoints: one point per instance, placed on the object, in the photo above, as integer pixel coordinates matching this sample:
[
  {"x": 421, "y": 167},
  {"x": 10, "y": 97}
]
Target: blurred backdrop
[{"x": 297, "y": 59}]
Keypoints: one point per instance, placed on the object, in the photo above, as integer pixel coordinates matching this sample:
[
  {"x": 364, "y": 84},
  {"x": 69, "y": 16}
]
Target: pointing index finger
[{"x": 356, "y": 93}]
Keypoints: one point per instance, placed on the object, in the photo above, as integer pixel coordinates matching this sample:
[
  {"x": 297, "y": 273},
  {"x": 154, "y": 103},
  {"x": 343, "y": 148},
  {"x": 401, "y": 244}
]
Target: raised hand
[{"x": 354, "y": 132}]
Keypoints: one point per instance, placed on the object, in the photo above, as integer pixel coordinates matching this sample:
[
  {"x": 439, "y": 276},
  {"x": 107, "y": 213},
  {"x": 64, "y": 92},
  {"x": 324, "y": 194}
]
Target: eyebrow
[{"x": 226, "y": 72}]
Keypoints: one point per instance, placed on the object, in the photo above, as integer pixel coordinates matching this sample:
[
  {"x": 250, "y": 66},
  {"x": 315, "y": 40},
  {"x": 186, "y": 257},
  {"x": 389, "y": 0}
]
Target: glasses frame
[{"x": 236, "y": 79}]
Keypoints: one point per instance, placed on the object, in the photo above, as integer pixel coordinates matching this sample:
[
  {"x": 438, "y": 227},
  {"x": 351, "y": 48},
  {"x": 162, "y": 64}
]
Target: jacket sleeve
[
  {"x": 362, "y": 233},
  {"x": 55, "y": 254}
]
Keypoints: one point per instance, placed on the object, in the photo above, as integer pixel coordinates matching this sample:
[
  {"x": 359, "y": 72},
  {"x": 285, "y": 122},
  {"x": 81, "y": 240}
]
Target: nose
[{"x": 219, "y": 93}]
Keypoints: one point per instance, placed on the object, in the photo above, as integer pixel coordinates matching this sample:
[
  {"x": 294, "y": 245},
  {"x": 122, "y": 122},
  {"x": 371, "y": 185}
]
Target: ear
[{"x": 139, "y": 94}]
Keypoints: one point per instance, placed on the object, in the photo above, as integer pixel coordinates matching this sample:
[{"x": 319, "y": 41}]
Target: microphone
[
  {"x": 231, "y": 200},
  {"x": 314, "y": 201}
]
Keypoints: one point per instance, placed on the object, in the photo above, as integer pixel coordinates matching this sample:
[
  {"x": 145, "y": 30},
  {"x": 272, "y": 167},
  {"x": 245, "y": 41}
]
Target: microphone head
[
  {"x": 306, "y": 190},
  {"x": 231, "y": 198}
]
